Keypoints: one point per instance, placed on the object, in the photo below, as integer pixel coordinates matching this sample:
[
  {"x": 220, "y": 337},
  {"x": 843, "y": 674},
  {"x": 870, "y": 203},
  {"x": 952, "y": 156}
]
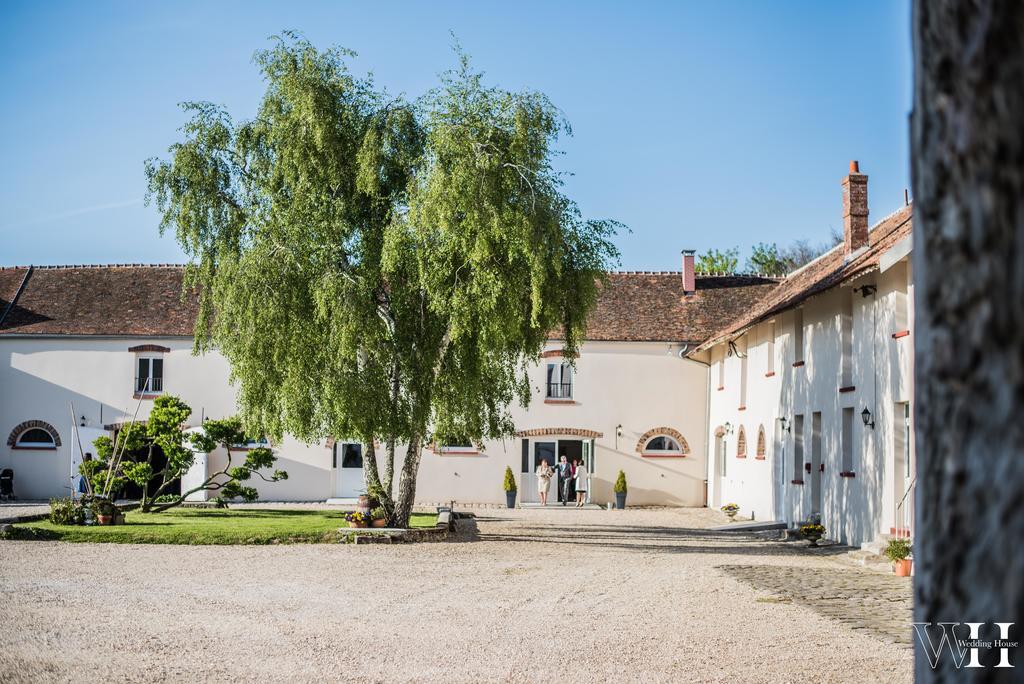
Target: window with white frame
[
  {"x": 35, "y": 438},
  {"x": 149, "y": 375},
  {"x": 798, "y": 447},
  {"x": 846, "y": 339},
  {"x": 559, "y": 381},
  {"x": 663, "y": 444}
]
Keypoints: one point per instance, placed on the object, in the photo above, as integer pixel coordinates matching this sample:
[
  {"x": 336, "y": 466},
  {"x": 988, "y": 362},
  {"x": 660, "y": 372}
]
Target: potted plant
[
  {"x": 731, "y": 509},
  {"x": 812, "y": 531},
  {"x": 620, "y": 491},
  {"x": 510, "y": 488},
  {"x": 104, "y": 510},
  {"x": 357, "y": 519},
  {"x": 379, "y": 517},
  {"x": 898, "y": 551}
]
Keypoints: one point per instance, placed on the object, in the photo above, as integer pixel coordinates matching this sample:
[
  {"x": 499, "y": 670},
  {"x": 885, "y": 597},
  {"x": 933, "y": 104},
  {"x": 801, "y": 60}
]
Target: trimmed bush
[{"x": 620, "y": 483}]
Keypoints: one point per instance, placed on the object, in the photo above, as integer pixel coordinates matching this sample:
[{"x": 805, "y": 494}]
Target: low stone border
[{"x": 446, "y": 522}]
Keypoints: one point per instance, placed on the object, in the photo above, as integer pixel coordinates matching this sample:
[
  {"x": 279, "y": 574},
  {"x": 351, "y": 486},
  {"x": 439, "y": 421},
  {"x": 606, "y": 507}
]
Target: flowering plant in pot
[
  {"x": 620, "y": 490},
  {"x": 731, "y": 509},
  {"x": 357, "y": 519},
  {"x": 379, "y": 517},
  {"x": 812, "y": 531},
  {"x": 510, "y": 488},
  {"x": 898, "y": 551},
  {"x": 104, "y": 510}
]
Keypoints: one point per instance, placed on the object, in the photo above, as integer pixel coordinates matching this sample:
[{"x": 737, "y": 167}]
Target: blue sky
[{"x": 711, "y": 124}]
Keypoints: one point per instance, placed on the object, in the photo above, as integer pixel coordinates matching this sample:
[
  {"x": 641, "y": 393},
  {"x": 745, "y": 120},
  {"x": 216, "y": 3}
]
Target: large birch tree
[{"x": 377, "y": 268}]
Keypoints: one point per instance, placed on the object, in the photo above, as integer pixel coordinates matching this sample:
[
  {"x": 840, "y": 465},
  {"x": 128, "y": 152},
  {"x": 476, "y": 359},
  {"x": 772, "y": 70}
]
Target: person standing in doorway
[
  {"x": 580, "y": 478},
  {"x": 544, "y": 475},
  {"x": 564, "y": 479}
]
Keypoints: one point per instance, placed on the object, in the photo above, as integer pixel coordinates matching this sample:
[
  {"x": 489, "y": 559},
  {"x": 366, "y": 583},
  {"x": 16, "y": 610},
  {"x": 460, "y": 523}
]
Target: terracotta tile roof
[
  {"x": 823, "y": 273},
  {"x": 651, "y": 306},
  {"x": 138, "y": 300},
  {"x": 132, "y": 300}
]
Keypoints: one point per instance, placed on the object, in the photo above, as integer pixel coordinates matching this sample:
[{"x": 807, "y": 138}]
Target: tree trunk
[
  {"x": 407, "y": 484},
  {"x": 967, "y": 153},
  {"x": 389, "y": 468},
  {"x": 370, "y": 473}
]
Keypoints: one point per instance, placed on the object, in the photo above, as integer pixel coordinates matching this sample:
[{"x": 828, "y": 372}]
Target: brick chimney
[
  {"x": 855, "y": 210},
  {"x": 689, "y": 280}
]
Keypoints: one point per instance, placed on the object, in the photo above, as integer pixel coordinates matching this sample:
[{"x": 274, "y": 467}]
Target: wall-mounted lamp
[
  {"x": 618, "y": 433},
  {"x": 785, "y": 424},
  {"x": 868, "y": 419},
  {"x": 82, "y": 421},
  {"x": 866, "y": 290},
  {"x": 728, "y": 428}
]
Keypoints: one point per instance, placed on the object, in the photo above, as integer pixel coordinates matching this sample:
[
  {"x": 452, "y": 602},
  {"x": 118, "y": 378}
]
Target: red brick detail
[
  {"x": 721, "y": 388},
  {"x": 557, "y": 353},
  {"x": 797, "y": 364},
  {"x": 770, "y": 374},
  {"x": 741, "y": 443},
  {"x": 899, "y": 532},
  {"x": 719, "y": 431},
  {"x": 847, "y": 473},
  {"x": 796, "y": 482},
  {"x": 742, "y": 408},
  {"x": 572, "y": 432},
  {"x": 761, "y": 446},
  {"x": 12, "y": 439},
  {"x": 666, "y": 431},
  {"x": 901, "y": 333},
  {"x": 759, "y": 458},
  {"x": 146, "y": 395},
  {"x": 844, "y": 390},
  {"x": 149, "y": 348},
  {"x": 559, "y": 401}
]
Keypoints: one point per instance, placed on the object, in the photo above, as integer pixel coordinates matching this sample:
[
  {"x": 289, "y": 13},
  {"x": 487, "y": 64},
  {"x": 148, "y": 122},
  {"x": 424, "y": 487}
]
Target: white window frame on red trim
[
  {"x": 150, "y": 389},
  {"x": 678, "y": 451}
]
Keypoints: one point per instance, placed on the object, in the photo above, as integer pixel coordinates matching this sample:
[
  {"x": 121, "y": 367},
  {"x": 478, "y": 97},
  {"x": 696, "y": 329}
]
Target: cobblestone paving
[{"x": 877, "y": 604}]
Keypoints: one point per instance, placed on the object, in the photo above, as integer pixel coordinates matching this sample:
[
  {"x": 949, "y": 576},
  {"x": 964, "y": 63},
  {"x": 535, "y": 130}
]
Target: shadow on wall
[
  {"x": 305, "y": 482},
  {"x": 680, "y": 488}
]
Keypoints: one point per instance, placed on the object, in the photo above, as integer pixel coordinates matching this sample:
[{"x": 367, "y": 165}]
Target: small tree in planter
[
  {"x": 510, "y": 488},
  {"x": 898, "y": 551},
  {"x": 620, "y": 490}
]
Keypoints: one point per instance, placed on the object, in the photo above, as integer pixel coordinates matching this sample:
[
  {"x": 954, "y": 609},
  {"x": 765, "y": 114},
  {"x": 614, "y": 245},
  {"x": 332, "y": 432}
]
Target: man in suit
[{"x": 564, "y": 478}]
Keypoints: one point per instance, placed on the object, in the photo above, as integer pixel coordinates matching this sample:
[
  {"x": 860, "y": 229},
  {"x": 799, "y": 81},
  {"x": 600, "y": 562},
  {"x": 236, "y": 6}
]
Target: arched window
[
  {"x": 663, "y": 441},
  {"x": 741, "y": 443},
  {"x": 760, "y": 443},
  {"x": 35, "y": 438},
  {"x": 34, "y": 434}
]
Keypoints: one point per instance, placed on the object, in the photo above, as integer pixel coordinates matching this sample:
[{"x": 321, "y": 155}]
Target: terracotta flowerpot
[
  {"x": 379, "y": 522},
  {"x": 105, "y": 519},
  {"x": 357, "y": 524},
  {"x": 902, "y": 567}
]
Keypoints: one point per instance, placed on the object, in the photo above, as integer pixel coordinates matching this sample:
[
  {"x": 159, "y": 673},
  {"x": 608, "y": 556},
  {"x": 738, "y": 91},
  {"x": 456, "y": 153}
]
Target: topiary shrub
[
  {"x": 620, "y": 483},
  {"x": 510, "y": 480},
  {"x": 898, "y": 549}
]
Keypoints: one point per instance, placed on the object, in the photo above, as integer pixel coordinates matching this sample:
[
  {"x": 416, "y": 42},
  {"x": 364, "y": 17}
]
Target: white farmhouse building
[
  {"x": 811, "y": 388},
  {"x": 788, "y": 397},
  {"x": 92, "y": 337}
]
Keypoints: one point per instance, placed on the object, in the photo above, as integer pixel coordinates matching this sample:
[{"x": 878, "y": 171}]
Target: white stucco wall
[
  {"x": 640, "y": 386},
  {"x": 854, "y": 509}
]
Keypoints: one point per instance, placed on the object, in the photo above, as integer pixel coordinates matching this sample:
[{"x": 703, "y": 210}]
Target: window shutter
[{"x": 526, "y": 456}]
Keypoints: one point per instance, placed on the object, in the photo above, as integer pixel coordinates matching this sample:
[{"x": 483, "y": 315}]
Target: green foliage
[
  {"x": 766, "y": 258},
  {"x": 66, "y": 512},
  {"x": 373, "y": 267},
  {"x": 378, "y": 513},
  {"x": 510, "y": 480},
  {"x": 718, "y": 261},
  {"x": 898, "y": 549},
  {"x": 205, "y": 526},
  {"x": 620, "y": 483}
]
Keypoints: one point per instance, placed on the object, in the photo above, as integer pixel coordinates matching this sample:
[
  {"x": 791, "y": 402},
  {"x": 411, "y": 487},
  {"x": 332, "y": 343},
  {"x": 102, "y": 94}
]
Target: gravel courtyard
[{"x": 528, "y": 595}]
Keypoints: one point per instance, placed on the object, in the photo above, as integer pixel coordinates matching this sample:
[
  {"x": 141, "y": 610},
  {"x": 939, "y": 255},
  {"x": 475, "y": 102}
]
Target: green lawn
[{"x": 207, "y": 526}]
